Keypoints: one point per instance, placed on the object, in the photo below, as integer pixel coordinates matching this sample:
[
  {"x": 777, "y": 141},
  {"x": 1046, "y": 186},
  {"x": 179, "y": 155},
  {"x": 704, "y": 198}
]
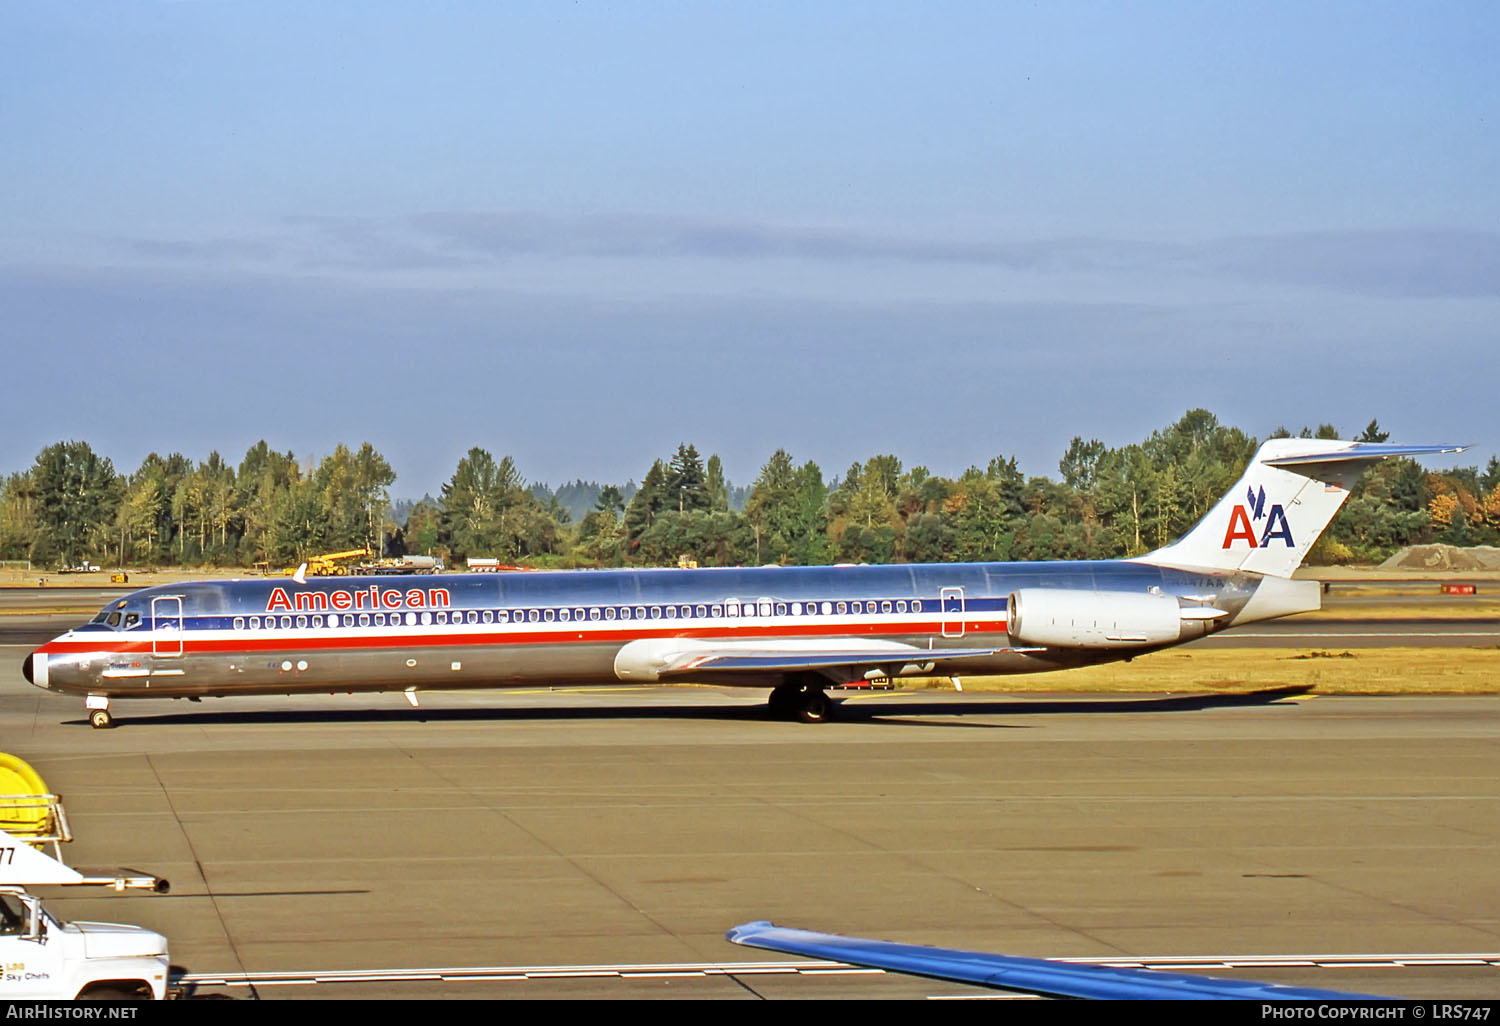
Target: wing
[
  {"x": 1029, "y": 975},
  {"x": 665, "y": 658}
]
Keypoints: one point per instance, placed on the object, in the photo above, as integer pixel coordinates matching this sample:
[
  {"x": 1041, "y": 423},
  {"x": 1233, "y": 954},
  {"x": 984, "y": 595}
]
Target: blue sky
[{"x": 582, "y": 233}]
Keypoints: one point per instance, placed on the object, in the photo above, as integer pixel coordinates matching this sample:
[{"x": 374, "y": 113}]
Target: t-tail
[{"x": 1282, "y": 504}]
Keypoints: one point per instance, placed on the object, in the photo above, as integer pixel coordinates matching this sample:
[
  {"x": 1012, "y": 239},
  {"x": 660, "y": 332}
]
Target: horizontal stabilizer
[
  {"x": 1026, "y": 975},
  {"x": 1363, "y": 452}
]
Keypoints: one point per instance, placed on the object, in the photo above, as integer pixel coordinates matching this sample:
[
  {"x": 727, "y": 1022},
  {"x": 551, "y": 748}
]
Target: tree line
[{"x": 72, "y": 505}]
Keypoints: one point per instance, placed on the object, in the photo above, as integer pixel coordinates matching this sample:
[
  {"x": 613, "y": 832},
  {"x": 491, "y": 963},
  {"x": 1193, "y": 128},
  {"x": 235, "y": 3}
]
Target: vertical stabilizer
[{"x": 1286, "y": 498}]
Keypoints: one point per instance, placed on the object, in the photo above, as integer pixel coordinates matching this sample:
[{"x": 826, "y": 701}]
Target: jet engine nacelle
[{"x": 1064, "y": 618}]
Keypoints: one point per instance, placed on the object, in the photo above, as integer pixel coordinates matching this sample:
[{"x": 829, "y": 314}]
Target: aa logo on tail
[{"x": 1242, "y": 529}]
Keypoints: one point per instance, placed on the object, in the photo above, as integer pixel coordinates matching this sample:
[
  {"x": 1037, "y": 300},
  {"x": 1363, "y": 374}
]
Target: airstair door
[{"x": 953, "y": 612}]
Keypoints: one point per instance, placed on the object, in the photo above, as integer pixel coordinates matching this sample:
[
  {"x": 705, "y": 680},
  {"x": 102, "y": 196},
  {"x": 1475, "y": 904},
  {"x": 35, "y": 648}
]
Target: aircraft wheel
[
  {"x": 100, "y": 719},
  {"x": 784, "y": 701},
  {"x": 816, "y": 708}
]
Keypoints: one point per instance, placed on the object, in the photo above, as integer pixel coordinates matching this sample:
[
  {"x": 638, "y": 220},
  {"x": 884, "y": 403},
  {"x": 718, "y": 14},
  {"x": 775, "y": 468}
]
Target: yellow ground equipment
[
  {"x": 29, "y": 811},
  {"x": 329, "y": 564},
  {"x": 335, "y": 563}
]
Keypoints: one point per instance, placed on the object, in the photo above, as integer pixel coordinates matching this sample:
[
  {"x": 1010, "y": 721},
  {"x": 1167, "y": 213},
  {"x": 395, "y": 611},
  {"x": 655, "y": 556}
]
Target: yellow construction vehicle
[
  {"x": 329, "y": 564},
  {"x": 335, "y": 564}
]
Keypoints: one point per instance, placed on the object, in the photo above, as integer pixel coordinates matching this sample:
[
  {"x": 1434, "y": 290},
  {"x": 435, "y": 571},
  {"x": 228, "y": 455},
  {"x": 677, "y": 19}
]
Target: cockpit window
[{"x": 114, "y": 616}]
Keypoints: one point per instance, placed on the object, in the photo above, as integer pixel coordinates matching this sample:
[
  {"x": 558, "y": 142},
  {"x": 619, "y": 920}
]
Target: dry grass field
[{"x": 1369, "y": 671}]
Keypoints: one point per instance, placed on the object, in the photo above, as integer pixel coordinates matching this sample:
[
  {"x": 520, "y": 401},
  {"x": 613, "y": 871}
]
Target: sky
[{"x": 582, "y": 233}]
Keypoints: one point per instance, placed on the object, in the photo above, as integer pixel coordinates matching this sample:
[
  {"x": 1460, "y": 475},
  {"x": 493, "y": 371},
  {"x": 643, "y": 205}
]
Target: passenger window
[
  {"x": 551, "y": 615},
  {"x": 901, "y": 606},
  {"x": 532, "y": 615},
  {"x": 700, "y": 610},
  {"x": 565, "y": 615},
  {"x": 781, "y": 609},
  {"x": 716, "y": 612},
  {"x": 796, "y": 608},
  {"x": 489, "y": 616},
  {"x": 885, "y": 607},
  {"x": 609, "y": 612},
  {"x": 364, "y": 619},
  {"x": 302, "y": 622},
  {"x": 286, "y": 623},
  {"x": 671, "y": 612},
  {"x": 843, "y": 608},
  {"x": 656, "y": 612},
  {"x": 593, "y": 612},
  {"x": 239, "y": 623},
  {"x": 916, "y": 606}
]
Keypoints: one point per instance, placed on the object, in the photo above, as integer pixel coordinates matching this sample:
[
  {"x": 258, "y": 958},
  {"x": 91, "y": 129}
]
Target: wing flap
[
  {"x": 792, "y": 661},
  {"x": 654, "y": 659}
]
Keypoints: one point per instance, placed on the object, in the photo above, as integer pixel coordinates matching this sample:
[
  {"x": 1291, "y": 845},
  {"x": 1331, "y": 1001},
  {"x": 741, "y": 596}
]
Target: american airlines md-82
[{"x": 795, "y": 630}]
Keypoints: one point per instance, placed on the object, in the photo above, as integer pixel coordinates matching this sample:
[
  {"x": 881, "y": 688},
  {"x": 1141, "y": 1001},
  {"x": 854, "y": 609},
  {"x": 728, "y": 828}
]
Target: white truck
[{"x": 44, "y": 958}]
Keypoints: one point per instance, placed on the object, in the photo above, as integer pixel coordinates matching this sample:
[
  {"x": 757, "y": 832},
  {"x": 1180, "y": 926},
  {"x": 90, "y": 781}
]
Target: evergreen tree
[
  {"x": 649, "y": 501},
  {"x": 77, "y": 496},
  {"x": 687, "y": 481}
]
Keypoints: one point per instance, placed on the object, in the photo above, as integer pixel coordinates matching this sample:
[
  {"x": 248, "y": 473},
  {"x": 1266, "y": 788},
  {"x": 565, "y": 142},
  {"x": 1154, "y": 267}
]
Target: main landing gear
[{"x": 802, "y": 700}]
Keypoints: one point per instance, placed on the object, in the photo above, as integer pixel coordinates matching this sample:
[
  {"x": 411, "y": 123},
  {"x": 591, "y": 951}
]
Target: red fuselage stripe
[{"x": 257, "y": 641}]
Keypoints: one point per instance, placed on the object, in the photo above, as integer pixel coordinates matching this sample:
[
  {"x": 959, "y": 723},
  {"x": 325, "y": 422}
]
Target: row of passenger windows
[{"x": 581, "y": 613}]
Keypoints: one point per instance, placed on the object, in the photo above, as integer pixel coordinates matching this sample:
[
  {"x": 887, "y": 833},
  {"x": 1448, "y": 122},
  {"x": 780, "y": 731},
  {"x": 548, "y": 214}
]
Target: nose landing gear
[{"x": 99, "y": 717}]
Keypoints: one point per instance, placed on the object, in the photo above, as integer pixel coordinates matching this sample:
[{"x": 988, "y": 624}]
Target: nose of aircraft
[{"x": 26, "y": 670}]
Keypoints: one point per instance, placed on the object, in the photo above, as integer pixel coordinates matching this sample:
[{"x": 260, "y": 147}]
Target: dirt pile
[{"x": 1444, "y": 557}]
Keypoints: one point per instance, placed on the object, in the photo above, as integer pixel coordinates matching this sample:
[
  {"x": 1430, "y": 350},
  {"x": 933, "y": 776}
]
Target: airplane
[
  {"x": 794, "y": 630},
  {"x": 1039, "y": 976}
]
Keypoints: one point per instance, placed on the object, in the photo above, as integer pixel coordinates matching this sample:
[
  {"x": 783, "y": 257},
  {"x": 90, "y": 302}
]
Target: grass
[
  {"x": 1369, "y": 671},
  {"x": 1455, "y": 608}
]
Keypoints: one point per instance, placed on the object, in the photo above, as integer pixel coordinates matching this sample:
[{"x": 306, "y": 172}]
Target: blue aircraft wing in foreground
[{"x": 1028, "y": 975}]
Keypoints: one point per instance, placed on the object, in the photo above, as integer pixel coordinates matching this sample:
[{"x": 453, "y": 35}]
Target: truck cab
[{"x": 46, "y": 959}]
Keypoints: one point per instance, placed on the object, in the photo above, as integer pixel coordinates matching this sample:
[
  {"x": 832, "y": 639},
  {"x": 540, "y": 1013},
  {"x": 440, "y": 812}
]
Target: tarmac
[{"x": 598, "y": 843}]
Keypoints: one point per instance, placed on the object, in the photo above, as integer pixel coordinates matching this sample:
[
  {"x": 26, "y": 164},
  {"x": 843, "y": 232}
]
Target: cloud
[{"x": 1398, "y": 262}]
